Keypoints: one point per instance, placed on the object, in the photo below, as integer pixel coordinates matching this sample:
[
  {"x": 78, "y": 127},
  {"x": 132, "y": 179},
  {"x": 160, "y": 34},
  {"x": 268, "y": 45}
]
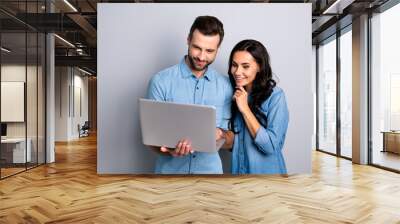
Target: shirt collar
[{"x": 186, "y": 72}]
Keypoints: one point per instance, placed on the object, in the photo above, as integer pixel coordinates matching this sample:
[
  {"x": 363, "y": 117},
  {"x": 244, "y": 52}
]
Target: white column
[
  {"x": 50, "y": 110},
  {"x": 50, "y": 92},
  {"x": 360, "y": 90}
]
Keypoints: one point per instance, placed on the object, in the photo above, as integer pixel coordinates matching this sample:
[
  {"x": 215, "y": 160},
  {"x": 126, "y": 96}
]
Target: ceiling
[{"x": 76, "y": 22}]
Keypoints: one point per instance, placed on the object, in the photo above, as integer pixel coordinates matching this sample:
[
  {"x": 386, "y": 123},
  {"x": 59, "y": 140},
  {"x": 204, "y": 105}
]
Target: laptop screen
[{"x": 3, "y": 129}]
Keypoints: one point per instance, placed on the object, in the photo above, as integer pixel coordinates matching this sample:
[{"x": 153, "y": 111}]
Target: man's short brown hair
[{"x": 209, "y": 26}]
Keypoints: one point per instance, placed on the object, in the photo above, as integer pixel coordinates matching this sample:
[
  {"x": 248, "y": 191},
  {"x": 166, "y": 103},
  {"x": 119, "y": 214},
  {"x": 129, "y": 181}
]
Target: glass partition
[
  {"x": 32, "y": 95},
  {"x": 22, "y": 77},
  {"x": 13, "y": 94}
]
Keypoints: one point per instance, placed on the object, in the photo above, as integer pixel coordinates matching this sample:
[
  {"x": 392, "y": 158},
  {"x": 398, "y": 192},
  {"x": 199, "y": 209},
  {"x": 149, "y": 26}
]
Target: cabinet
[
  {"x": 391, "y": 141},
  {"x": 13, "y": 150}
]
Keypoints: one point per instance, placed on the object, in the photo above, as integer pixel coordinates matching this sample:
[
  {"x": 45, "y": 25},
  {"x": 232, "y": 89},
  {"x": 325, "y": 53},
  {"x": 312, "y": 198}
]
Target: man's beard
[{"x": 193, "y": 65}]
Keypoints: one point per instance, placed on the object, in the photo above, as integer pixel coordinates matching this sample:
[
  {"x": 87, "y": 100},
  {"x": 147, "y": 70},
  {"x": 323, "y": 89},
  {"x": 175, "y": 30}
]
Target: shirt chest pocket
[
  {"x": 178, "y": 97},
  {"x": 215, "y": 100},
  {"x": 218, "y": 104},
  {"x": 177, "y": 100}
]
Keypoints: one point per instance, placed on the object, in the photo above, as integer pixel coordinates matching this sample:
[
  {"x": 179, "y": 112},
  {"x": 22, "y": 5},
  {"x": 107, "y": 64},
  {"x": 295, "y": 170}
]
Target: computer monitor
[{"x": 3, "y": 129}]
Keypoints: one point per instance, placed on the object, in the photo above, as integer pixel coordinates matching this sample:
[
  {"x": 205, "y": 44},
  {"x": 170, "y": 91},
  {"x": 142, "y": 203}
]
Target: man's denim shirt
[{"x": 178, "y": 84}]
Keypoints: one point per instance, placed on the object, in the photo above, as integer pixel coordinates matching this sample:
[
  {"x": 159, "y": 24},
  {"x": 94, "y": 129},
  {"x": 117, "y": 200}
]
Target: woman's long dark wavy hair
[{"x": 263, "y": 84}]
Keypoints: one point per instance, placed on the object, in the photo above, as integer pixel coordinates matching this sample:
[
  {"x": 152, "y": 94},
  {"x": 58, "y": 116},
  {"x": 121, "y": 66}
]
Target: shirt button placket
[
  {"x": 193, "y": 163},
  {"x": 241, "y": 155},
  {"x": 241, "y": 161},
  {"x": 196, "y": 92}
]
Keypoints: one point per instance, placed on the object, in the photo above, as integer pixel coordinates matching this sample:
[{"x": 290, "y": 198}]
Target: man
[{"x": 193, "y": 82}]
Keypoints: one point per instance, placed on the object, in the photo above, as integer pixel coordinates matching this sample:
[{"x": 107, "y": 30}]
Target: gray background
[{"x": 135, "y": 41}]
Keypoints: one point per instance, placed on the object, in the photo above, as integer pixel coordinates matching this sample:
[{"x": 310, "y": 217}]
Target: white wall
[
  {"x": 12, "y": 73},
  {"x": 137, "y": 40},
  {"x": 17, "y": 73},
  {"x": 61, "y": 103},
  {"x": 33, "y": 126},
  {"x": 79, "y": 117},
  {"x": 68, "y": 82}
]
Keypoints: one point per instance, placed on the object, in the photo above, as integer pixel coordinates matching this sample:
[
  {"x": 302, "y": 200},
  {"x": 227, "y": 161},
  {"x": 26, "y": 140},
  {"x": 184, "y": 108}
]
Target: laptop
[{"x": 165, "y": 123}]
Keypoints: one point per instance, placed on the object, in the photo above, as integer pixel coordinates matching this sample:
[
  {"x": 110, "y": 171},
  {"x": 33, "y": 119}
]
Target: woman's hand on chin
[{"x": 240, "y": 97}]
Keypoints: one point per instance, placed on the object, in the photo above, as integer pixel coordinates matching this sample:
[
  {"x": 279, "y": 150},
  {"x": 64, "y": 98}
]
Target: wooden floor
[
  {"x": 387, "y": 159},
  {"x": 70, "y": 191},
  {"x": 5, "y": 172}
]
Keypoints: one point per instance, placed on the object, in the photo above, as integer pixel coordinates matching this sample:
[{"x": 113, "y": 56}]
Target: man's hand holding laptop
[{"x": 184, "y": 146}]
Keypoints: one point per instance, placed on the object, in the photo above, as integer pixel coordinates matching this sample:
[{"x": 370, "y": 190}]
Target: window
[
  {"x": 327, "y": 96},
  {"x": 346, "y": 75},
  {"x": 385, "y": 88}
]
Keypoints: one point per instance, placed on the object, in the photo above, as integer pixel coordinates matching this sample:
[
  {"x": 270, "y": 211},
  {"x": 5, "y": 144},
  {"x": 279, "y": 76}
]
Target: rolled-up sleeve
[
  {"x": 271, "y": 138},
  {"x": 155, "y": 90}
]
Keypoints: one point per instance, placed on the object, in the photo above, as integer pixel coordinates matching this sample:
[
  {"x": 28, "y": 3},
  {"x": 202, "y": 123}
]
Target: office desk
[
  {"x": 391, "y": 141},
  {"x": 13, "y": 150}
]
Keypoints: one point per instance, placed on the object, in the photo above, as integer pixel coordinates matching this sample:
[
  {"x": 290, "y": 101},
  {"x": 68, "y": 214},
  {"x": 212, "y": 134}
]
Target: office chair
[{"x": 84, "y": 130}]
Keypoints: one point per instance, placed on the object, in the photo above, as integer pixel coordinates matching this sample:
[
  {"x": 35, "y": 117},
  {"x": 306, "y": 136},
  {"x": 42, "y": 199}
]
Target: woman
[{"x": 259, "y": 112}]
